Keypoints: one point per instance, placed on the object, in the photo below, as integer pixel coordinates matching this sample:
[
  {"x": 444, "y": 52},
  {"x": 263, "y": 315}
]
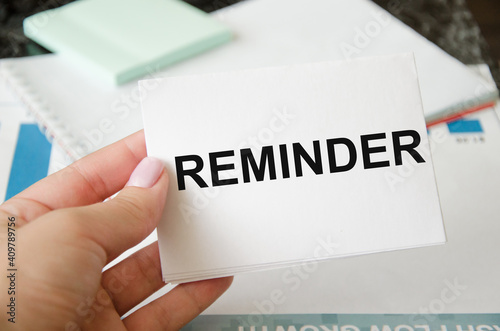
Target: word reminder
[{"x": 238, "y": 204}]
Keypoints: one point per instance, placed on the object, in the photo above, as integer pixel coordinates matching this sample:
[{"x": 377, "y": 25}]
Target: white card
[{"x": 278, "y": 166}]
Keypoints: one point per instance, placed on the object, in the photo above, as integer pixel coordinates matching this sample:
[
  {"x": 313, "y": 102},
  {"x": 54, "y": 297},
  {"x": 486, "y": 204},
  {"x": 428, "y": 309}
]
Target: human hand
[{"x": 65, "y": 235}]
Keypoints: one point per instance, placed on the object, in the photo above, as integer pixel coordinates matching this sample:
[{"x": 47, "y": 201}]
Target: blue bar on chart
[
  {"x": 465, "y": 126},
  {"x": 31, "y": 159}
]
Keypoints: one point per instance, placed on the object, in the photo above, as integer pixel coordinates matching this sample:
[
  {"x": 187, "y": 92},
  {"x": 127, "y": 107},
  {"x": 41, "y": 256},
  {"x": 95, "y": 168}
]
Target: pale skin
[{"x": 66, "y": 234}]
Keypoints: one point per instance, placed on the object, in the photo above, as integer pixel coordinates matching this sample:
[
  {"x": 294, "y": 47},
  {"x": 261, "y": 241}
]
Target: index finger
[{"x": 88, "y": 180}]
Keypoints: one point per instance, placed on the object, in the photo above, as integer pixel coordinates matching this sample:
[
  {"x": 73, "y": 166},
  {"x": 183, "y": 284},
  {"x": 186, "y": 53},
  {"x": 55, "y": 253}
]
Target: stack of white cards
[{"x": 280, "y": 166}]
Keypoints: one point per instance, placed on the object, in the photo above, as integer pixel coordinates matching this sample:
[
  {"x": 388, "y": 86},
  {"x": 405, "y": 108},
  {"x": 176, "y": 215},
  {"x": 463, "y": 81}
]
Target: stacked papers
[
  {"x": 290, "y": 165},
  {"x": 119, "y": 40}
]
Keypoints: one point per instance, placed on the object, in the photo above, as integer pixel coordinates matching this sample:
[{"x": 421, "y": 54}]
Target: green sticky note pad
[{"x": 124, "y": 39}]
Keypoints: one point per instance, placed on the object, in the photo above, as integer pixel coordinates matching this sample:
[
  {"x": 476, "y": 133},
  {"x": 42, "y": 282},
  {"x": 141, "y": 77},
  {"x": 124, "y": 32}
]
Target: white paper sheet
[{"x": 259, "y": 224}]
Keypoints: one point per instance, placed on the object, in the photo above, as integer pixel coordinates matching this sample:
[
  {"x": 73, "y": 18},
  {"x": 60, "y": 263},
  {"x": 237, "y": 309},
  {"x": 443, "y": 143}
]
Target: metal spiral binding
[{"x": 48, "y": 122}]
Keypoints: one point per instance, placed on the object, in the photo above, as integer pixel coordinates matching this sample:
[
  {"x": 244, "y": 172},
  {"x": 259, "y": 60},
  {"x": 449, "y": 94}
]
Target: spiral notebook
[{"x": 83, "y": 113}]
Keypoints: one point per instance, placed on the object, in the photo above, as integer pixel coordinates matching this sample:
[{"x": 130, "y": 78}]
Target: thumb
[
  {"x": 132, "y": 215},
  {"x": 64, "y": 251}
]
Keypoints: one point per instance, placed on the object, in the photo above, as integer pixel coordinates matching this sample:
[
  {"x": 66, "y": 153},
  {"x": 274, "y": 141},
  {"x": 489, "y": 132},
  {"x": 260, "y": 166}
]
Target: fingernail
[{"x": 146, "y": 173}]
